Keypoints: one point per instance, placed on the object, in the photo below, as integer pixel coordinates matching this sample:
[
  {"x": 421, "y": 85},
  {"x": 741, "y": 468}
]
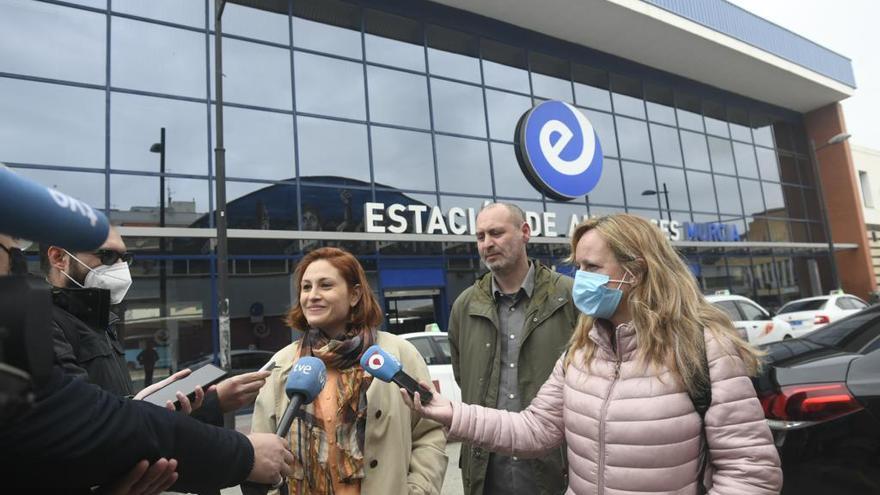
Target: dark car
[{"x": 821, "y": 397}]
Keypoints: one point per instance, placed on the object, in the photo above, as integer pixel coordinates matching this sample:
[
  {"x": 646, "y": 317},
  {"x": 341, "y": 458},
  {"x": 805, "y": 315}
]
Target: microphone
[
  {"x": 304, "y": 383},
  {"x": 387, "y": 368},
  {"x": 41, "y": 214}
]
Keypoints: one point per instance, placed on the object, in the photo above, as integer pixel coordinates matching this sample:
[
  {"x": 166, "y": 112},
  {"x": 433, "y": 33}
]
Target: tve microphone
[
  {"x": 387, "y": 368},
  {"x": 41, "y": 214},
  {"x": 304, "y": 383}
]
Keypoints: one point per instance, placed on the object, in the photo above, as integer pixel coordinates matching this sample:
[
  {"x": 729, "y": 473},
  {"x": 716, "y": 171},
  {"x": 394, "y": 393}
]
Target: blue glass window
[
  {"x": 328, "y": 86},
  {"x": 50, "y": 124},
  {"x": 609, "y": 190},
  {"x": 702, "y": 191},
  {"x": 44, "y": 40},
  {"x": 664, "y": 141},
  {"x": 156, "y": 58},
  {"x": 505, "y": 109},
  {"x": 591, "y": 87},
  {"x": 135, "y": 123},
  {"x": 403, "y": 159},
  {"x": 463, "y": 165},
  {"x": 327, "y": 26},
  {"x": 509, "y": 178},
  {"x": 453, "y": 54},
  {"x": 398, "y": 98},
  {"x": 328, "y": 148},
  {"x": 633, "y": 138},
  {"x": 458, "y": 108}
]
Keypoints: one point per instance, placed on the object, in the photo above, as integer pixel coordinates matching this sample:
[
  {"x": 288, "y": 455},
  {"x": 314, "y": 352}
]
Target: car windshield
[
  {"x": 849, "y": 334},
  {"x": 808, "y": 305},
  {"x": 443, "y": 342}
]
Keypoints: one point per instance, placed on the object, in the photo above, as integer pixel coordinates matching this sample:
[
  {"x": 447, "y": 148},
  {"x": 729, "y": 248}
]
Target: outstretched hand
[
  {"x": 144, "y": 479},
  {"x": 439, "y": 409},
  {"x": 186, "y": 406},
  {"x": 240, "y": 390}
]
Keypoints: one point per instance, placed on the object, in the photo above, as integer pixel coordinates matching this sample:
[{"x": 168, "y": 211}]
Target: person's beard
[
  {"x": 500, "y": 264},
  {"x": 77, "y": 272}
]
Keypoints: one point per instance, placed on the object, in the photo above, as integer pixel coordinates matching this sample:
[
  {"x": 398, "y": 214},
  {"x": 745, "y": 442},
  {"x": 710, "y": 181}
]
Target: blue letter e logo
[{"x": 558, "y": 150}]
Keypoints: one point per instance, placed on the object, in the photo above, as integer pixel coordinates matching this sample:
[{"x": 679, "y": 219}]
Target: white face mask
[{"x": 115, "y": 278}]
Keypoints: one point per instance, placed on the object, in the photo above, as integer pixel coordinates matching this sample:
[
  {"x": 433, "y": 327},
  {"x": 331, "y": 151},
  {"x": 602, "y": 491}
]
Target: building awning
[{"x": 714, "y": 43}]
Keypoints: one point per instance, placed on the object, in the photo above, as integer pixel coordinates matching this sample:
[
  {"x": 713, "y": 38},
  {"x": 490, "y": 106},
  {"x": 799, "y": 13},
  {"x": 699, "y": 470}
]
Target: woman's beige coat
[{"x": 403, "y": 454}]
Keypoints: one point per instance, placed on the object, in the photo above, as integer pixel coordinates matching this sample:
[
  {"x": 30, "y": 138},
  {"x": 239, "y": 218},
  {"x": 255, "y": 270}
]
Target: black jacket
[
  {"x": 86, "y": 342},
  {"x": 78, "y": 436}
]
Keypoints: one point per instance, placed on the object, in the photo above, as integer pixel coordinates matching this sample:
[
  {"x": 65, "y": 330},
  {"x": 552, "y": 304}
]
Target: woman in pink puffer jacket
[{"x": 620, "y": 396}]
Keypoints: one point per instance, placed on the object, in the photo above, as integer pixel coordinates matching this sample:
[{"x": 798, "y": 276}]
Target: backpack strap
[{"x": 702, "y": 399}]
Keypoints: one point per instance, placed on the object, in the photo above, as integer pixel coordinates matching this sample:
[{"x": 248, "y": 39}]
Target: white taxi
[
  {"x": 755, "y": 324},
  {"x": 434, "y": 347},
  {"x": 812, "y": 313}
]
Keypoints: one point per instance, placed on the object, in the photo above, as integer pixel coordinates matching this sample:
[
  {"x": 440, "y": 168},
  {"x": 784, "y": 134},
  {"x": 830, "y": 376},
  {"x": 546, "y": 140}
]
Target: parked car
[
  {"x": 755, "y": 324},
  {"x": 811, "y": 313},
  {"x": 821, "y": 398},
  {"x": 434, "y": 347}
]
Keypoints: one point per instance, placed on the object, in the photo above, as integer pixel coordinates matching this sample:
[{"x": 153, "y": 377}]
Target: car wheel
[{"x": 786, "y": 337}]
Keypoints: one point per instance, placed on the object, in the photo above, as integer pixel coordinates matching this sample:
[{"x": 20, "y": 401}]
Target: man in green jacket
[{"x": 506, "y": 333}]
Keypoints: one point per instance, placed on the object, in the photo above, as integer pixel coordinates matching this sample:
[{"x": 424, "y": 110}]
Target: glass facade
[{"x": 333, "y": 105}]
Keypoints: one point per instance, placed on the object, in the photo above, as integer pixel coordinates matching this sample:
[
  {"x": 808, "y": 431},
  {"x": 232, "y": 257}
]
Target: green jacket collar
[{"x": 483, "y": 304}]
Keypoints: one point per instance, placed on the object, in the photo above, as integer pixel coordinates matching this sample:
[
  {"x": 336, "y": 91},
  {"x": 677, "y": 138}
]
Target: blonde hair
[{"x": 668, "y": 310}]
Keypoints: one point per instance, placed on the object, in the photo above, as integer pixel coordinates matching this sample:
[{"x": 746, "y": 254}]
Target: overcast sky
[{"x": 848, "y": 27}]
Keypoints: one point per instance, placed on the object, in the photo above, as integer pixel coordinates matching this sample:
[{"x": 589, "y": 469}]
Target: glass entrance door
[{"x": 410, "y": 310}]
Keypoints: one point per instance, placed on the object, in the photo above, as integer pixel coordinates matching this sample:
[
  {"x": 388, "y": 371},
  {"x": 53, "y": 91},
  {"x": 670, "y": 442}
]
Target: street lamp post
[
  {"x": 163, "y": 300},
  {"x": 664, "y": 192},
  {"x": 220, "y": 204},
  {"x": 160, "y": 148},
  {"x": 839, "y": 138}
]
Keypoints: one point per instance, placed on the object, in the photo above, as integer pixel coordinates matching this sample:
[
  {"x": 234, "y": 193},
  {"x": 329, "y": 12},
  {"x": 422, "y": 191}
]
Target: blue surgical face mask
[{"x": 593, "y": 298}]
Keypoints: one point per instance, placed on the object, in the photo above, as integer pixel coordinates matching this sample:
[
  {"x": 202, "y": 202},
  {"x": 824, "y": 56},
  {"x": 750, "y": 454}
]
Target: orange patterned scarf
[{"x": 308, "y": 437}]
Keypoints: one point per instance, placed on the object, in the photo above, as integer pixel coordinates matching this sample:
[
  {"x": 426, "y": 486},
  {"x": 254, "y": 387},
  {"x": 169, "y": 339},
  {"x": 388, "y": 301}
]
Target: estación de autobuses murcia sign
[{"x": 397, "y": 218}]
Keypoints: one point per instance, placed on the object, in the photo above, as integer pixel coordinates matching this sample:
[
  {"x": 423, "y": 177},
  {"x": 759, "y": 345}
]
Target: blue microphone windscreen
[
  {"x": 307, "y": 377},
  {"x": 41, "y": 214},
  {"x": 380, "y": 364}
]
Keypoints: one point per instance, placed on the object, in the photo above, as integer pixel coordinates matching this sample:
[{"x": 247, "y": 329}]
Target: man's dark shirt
[{"x": 78, "y": 436}]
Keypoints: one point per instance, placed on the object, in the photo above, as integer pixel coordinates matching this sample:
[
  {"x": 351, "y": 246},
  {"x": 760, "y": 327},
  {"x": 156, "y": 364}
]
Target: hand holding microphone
[
  {"x": 418, "y": 396},
  {"x": 304, "y": 383},
  {"x": 387, "y": 368}
]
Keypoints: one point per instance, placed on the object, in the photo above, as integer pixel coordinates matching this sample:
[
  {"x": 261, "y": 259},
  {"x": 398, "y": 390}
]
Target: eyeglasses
[{"x": 110, "y": 257}]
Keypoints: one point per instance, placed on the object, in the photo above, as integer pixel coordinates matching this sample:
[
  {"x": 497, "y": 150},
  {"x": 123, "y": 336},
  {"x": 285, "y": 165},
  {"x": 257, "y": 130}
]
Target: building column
[{"x": 842, "y": 200}]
